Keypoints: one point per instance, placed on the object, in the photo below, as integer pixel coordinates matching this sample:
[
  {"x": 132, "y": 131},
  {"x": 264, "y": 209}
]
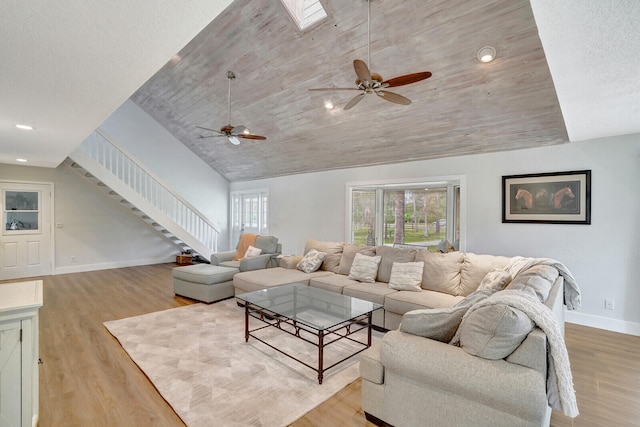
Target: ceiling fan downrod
[{"x": 230, "y": 76}]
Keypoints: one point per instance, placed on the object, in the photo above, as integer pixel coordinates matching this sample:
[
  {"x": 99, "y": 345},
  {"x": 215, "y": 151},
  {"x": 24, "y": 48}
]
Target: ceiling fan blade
[
  {"x": 393, "y": 97},
  {"x": 406, "y": 79},
  {"x": 209, "y": 136},
  {"x": 212, "y": 130},
  {"x": 250, "y": 136},
  {"x": 354, "y": 101},
  {"x": 362, "y": 71},
  {"x": 233, "y": 140},
  {"x": 335, "y": 88}
]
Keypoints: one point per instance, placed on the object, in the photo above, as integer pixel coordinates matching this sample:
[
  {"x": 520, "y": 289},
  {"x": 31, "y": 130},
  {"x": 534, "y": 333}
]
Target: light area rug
[{"x": 198, "y": 360}]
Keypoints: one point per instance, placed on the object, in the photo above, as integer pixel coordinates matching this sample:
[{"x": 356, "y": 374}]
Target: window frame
[{"x": 453, "y": 214}]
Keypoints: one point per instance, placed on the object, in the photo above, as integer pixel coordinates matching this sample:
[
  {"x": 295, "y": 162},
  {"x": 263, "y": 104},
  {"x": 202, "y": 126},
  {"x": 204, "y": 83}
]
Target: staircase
[{"x": 121, "y": 176}]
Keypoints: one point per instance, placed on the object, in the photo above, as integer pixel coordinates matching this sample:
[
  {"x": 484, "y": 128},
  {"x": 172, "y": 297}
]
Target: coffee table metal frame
[{"x": 286, "y": 315}]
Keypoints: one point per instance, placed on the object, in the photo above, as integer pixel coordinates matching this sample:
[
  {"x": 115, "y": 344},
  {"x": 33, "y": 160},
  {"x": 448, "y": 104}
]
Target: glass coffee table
[{"x": 314, "y": 315}]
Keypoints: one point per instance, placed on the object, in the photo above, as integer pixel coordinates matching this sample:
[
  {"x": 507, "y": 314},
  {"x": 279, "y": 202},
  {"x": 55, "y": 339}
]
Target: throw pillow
[
  {"x": 364, "y": 268},
  {"x": 406, "y": 276},
  {"x": 494, "y": 331},
  {"x": 333, "y": 249},
  {"x": 495, "y": 279},
  {"x": 389, "y": 256},
  {"x": 349, "y": 252},
  {"x": 439, "y": 324},
  {"x": 311, "y": 261},
  {"x": 252, "y": 251}
]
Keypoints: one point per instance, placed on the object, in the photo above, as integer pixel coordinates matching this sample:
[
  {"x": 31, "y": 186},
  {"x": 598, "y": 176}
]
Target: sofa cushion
[
  {"x": 442, "y": 271},
  {"x": 204, "y": 274},
  {"x": 230, "y": 264},
  {"x": 496, "y": 279},
  {"x": 268, "y": 244},
  {"x": 256, "y": 280},
  {"x": 440, "y": 323},
  {"x": 390, "y": 255},
  {"x": 406, "y": 276},
  {"x": 333, "y": 283},
  {"x": 475, "y": 267},
  {"x": 333, "y": 250},
  {"x": 537, "y": 280},
  {"x": 311, "y": 261},
  {"x": 349, "y": 252},
  {"x": 364, "y": 268},
  {"x": 401, "y": 302},
  {"x": 375, "y": 292},
  {"x": 494, "y": 331}
]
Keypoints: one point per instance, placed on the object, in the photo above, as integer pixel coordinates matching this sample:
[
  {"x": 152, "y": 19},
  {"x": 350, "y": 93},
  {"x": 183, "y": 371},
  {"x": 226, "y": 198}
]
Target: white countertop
[{"x": 20, "y": 295}]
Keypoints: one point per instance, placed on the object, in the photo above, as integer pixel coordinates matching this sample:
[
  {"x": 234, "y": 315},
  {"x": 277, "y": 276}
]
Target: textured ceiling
[
  {"x": 466, "y": 107},
  {"x": 593, "y": 50},
  {"x": 68, "y": 65}
]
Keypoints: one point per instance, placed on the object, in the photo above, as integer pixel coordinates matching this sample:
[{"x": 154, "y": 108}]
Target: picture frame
[{"x": 547, "y": 198}]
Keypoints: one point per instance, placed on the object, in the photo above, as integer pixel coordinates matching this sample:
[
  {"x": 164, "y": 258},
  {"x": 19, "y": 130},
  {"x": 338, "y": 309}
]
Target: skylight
[{"x": 305, "y": 12}]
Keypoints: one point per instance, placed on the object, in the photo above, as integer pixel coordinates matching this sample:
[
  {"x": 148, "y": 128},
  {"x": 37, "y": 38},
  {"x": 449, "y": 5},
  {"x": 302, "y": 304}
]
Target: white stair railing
[{"x": 127, "y": 176}]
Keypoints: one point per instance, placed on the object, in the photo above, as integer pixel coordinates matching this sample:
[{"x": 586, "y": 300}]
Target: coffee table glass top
[{"x": 316, "y": 308}]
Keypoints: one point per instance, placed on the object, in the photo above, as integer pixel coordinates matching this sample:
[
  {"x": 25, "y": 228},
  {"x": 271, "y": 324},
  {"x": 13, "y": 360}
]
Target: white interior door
[
  {"x": 249, "y": 214},
  {"x": 25, "y": 241}
]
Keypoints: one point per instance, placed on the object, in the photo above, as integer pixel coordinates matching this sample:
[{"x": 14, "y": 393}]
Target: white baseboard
[
  {"x": 605, "y": 323},
  {"x": 109, "y": 265}
]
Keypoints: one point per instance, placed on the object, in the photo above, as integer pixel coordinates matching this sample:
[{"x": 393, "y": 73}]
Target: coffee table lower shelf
[{"x": 323, "y": 337}]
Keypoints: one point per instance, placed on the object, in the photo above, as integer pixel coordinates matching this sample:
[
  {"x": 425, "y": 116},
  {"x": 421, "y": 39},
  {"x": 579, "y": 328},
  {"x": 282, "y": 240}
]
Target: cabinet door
[{"x": 10, "y": 374}]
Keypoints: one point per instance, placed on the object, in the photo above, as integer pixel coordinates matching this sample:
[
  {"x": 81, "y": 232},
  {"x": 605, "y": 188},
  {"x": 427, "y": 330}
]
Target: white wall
[
  {"x": 96, "y": 229},
  {"x": 138, "y": 133},
  {"x": 602, "y": 256}
]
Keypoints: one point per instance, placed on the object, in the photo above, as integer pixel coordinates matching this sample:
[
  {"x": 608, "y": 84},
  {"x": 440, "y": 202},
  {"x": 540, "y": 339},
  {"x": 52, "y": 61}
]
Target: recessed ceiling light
[
  {"x": 24, "y": 127},
  {"x": 328, "y": 104},
  {"x": 21, "y": 160},
  {"x": 486, "y": 54}
]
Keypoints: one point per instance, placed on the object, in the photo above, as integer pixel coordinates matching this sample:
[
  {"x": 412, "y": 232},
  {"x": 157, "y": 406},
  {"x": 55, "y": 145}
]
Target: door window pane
[{"x": 21, "y": 210}]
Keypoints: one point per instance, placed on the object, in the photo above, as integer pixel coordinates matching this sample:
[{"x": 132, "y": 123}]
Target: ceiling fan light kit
[
  {"x": 328, "y": 104},
  {"x": 486, "y": 54},
  {"x": 231, "y": 132}
]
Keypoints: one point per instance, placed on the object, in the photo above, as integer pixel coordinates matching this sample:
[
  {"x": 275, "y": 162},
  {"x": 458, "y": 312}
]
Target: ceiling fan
[
  {"x": 372, "y": 83},
  {"x": 231, "y": 132}
]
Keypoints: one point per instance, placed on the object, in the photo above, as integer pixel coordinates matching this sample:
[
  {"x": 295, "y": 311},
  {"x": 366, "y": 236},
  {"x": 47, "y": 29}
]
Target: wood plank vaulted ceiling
[{"x": 466, "y": 107}]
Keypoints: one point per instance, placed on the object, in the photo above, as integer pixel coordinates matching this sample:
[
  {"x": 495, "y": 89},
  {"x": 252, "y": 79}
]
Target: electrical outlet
[
  {"x": 73, "y": 258},
  {"x": 608, "y": 304}
]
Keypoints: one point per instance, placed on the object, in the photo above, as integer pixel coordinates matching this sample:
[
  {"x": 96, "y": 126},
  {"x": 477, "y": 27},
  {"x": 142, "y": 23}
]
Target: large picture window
[{"x": 421, "y": 214}]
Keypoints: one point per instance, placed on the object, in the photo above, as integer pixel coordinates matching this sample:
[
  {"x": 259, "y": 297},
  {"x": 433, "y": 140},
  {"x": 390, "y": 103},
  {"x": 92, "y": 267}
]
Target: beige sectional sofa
[
  {"x": 414, "y": 376},
  {"x": 447, "y": 278}
]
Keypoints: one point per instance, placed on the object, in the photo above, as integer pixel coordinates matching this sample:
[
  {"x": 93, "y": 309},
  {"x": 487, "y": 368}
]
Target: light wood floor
[{"x": 86, "y": 379}]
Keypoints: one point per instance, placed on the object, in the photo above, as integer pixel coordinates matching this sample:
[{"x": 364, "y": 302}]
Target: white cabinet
[{"x": 19, "y": 305}]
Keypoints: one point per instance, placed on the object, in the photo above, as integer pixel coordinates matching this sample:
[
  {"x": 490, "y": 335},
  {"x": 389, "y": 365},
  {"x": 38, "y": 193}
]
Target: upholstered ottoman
[{"x": 204, "y": 282}]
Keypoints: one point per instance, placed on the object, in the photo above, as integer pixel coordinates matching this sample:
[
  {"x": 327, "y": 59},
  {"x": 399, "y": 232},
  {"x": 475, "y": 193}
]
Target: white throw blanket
[
  {"x": 560, "y": 391},
  {"x": 572, "y": 300}
]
